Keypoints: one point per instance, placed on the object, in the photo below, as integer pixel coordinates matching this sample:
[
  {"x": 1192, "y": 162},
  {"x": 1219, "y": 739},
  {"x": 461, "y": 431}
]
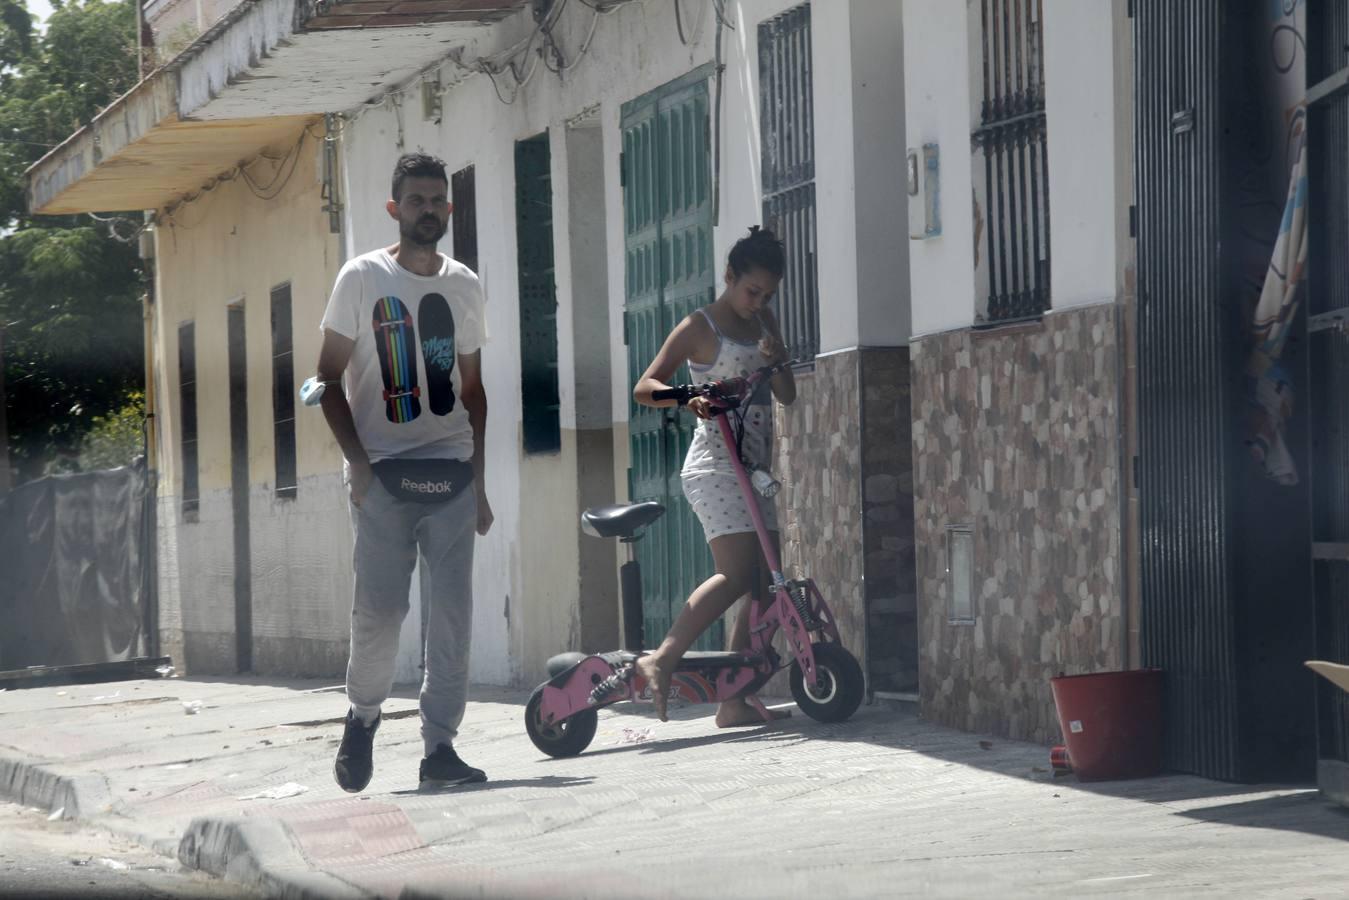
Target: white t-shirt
[{"x": 403, "y": 380}]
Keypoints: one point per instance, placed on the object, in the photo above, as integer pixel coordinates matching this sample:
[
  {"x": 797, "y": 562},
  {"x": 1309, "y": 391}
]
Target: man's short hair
[{"x": 416, "y": 165}]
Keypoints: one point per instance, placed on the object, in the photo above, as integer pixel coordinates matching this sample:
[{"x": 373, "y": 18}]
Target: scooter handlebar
[
  {"x": 727, "y": 390},
  {"x": 682, "y": 393}
]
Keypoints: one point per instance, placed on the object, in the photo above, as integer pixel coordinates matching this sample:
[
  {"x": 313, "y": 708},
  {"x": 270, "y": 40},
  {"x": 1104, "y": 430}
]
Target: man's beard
[{"x": 413, "y": 231}]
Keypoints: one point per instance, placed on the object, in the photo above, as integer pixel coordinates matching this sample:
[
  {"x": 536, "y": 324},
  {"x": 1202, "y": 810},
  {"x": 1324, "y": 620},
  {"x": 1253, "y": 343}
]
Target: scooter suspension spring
[
  {"x": 800, "y": 593},
  {"x": 616, "y": 683}
]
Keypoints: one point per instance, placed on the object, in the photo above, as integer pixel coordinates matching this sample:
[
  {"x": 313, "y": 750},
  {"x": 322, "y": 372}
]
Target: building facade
[
  {"x": 604, "y": 161},
  {"x": 1019, "y": 355}
]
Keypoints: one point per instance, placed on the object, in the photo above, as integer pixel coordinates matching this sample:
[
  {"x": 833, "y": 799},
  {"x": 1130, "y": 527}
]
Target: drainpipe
[
  {"x": 4, "y": 422},
  {"x": 140, "y": 39},
  {"x": 149, "y": 515},
  {"x": 147, "y": 255},
  {"x": 333, "y": 204}
]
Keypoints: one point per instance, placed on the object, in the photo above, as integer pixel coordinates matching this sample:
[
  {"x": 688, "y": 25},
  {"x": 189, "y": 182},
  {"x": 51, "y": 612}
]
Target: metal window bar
[
  {"x": 187, "y": 393},
  {"x": 787, "y": 132},
  {"x": 463, "y": 190},
  {"x": 283, "y": 393},
  {"x": 1012, "y": 136}
]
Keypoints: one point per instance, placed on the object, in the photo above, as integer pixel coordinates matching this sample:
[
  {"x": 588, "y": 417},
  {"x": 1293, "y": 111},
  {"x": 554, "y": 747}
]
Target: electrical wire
[
  {"x": 273, "y": 189},
  {"x": 270, "y": 191},
  {"x": 585, "y": 47},
  {"x": 679, "y": 23},
  {"x": 508, "y": 60},
  {"x": 113, "y": 221},
  {"x": 720, "y": 6}
]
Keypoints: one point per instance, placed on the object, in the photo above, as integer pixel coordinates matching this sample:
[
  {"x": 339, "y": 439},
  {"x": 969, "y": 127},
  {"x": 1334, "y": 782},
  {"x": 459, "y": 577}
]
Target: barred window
[
  {"x": 1011, "y": 136},
  {"x": 787, "y": 131},
  {"x": 463, "y": 192},
  {"x": 187, "y": 432},
  {"x": 283, "y": 392}
]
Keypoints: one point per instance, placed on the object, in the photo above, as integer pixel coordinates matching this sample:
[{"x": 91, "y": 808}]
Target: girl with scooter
[{"x": 727, "y": 339}]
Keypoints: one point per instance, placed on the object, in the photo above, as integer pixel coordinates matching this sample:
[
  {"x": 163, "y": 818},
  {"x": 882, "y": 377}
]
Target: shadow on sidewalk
[
  {"x": 543, "y": 781},
  {"x": 1282, "y": 807},
  {"x": 758, "y": 735},
  {"x": 1305, "y": 811}
]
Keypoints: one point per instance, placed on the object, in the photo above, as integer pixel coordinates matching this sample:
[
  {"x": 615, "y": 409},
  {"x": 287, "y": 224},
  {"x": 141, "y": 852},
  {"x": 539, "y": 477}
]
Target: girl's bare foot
[
  {"x": 657, "y": 680},
  {"x": 738, "y": 713}
]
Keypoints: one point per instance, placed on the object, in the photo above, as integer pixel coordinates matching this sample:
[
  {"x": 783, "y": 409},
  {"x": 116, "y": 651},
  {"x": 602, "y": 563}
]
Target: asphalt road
[{"x": 50, "y": 859}]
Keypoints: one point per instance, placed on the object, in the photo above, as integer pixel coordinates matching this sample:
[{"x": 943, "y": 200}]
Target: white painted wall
[
  {"x": 1087, "y": 150},
  {"x": 938, "y": 110},
  {"x": 880, "y": 195},
  {"x": 1086, "y": 81},
  {"x": 857, "y": 71},
  {"x": 835, "y": 175}
]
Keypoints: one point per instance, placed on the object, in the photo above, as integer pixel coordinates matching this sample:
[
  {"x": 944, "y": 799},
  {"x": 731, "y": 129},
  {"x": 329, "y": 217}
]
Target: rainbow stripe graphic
[{"x": 395, "y": 339}]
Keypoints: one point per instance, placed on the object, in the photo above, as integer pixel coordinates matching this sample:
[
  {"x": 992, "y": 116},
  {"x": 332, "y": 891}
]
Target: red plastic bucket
[{"x": 1112, "y": 723}]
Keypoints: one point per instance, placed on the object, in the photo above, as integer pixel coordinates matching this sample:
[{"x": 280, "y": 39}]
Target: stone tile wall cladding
[
  {"x": 846, "y": 506},
  {"x": 1016, "y": 434}
]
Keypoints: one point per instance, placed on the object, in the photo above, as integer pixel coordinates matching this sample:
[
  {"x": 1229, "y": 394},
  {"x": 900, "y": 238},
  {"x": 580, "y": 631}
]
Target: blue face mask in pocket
[{"x": 311, "y": 392}]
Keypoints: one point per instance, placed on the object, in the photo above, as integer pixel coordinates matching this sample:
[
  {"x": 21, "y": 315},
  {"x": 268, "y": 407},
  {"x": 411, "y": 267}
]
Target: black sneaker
[
  {"x": 354, "y": 764},
  {"x": 445, "y": 767}
]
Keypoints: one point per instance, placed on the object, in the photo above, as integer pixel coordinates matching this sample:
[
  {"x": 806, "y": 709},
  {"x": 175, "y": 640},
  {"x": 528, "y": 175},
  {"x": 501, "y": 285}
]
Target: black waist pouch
[{"x": 424, "y": 480}]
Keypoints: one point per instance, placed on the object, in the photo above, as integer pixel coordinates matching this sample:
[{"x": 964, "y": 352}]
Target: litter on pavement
[
  {"x": 280, "y": 792},
  {"x": 636, "y": 735}
]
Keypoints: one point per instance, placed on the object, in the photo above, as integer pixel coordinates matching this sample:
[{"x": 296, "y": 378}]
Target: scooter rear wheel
[
  {"x": 839, "y": 685},
  {"x": 560, "y": 739}
]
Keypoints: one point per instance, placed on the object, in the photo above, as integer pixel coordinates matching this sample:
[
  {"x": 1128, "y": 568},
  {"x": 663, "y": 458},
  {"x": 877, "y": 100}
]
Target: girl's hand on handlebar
[{"x": 702, "y": 407}]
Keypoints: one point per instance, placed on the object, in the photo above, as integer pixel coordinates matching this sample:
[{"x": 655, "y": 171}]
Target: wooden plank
[
  {"x": 1332, "y": 777},
  {"x": 1330, "y": 87},
  {"x": 1334, "y": 319},
  {"x": 1330, "y": 551},
  {"x": 1335, "y": 673}
]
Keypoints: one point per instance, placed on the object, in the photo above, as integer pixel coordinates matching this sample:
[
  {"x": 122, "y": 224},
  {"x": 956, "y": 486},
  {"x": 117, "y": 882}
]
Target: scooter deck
[{"x": 696, "y": 659}]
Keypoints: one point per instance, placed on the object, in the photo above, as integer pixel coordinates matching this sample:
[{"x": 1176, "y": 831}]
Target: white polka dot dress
[{"x": 709, "y": 480}]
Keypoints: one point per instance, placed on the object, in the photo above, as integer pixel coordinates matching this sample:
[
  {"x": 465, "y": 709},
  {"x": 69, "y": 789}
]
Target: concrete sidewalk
[{"x": 884, "y": 805}]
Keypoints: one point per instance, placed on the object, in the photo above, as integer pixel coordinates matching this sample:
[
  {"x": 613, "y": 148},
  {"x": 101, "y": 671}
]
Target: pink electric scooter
[{"x": 826, "y": 680}]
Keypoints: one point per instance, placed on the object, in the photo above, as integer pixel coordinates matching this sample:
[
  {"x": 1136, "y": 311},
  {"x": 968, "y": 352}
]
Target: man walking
[{"x": 405, "y": 325}]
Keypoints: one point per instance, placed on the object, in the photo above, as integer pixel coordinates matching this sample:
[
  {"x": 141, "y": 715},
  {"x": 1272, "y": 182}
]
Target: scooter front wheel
[
  {"x": 559, "y": 739},
  {"x": 838, "y": 688}
]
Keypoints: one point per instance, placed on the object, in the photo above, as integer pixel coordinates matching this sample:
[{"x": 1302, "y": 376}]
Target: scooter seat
[{"x": 623, "y": 520}]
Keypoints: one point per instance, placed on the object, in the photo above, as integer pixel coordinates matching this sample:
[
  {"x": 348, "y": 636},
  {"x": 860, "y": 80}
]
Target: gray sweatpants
[{"x": 389, "y": 535}]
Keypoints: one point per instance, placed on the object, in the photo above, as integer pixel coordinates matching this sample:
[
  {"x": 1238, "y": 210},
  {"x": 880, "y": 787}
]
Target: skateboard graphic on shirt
[
  {"x": 396, "y": 345},
  {"x": 435, "y": 321}
]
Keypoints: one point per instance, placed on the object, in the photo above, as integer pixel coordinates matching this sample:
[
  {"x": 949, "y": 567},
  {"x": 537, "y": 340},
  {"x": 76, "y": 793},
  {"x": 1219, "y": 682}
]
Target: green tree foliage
[
  {"x": 69, "y": 288},
  {"x": 117, "y": 438}
]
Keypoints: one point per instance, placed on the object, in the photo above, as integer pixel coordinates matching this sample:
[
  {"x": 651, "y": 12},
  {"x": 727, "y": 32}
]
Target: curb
[
  {"x": 257, "y": 853},
  {"x": 79, "y": 796}
]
